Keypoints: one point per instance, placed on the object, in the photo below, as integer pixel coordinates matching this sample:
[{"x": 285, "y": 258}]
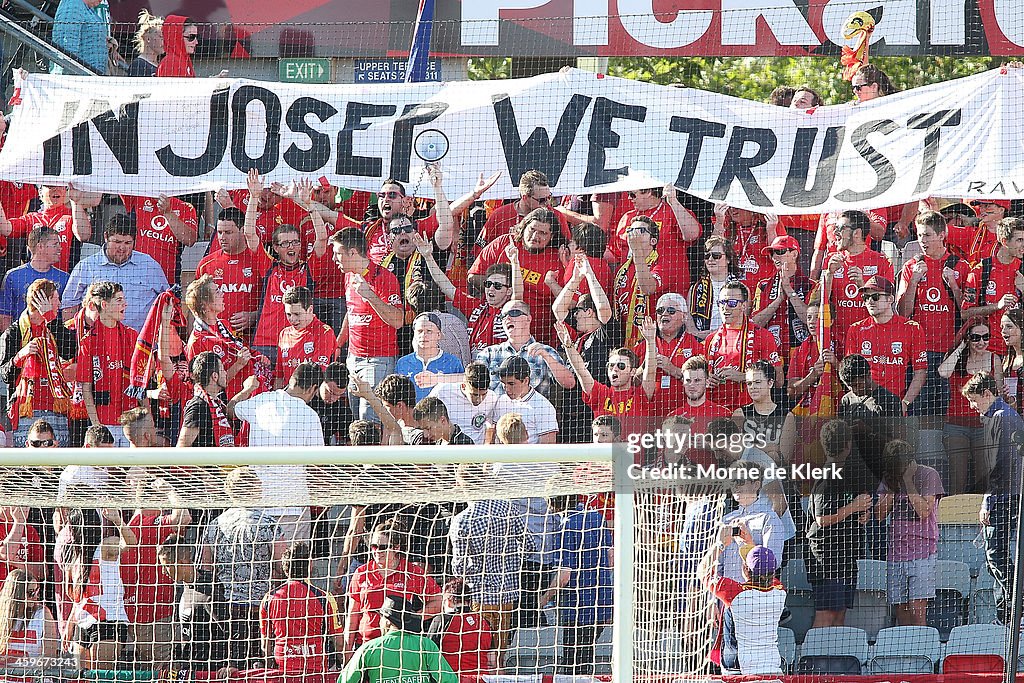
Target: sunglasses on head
[
  {"x": 730, "y": 303},
  {"x": 515, "y": 313},
  {"x": 715, "y": 255},
  {"x": 872, "y": 296},
  {"x": 399, "y": 229},
  {"x": 40, "y": 443},
  {"x": 671, "y": 310},
  {"x": 857, "y": 88},
  {"x": 490, "y": 284},
  {"x": 618, "y": 365},
  {"x": 985, "y": 336},
  {"x": 391, "y": 194}
]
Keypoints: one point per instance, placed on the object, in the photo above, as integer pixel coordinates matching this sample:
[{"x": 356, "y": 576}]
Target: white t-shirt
[
  {"x": 471, "y": 419},
  {"x": 538, "y": 413},
  {"x": 79, "y": 477}
]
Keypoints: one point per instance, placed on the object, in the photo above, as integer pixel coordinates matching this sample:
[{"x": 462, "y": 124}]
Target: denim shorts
[{"x": 910, "y": 580}]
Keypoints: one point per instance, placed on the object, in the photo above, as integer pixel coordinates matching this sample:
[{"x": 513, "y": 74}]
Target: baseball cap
[
  {"x": 514, "y": 366},
  {"x": 879, "y": 284},
  {"x": 760, "y": 561},
  {"x": 402, "y": 612},
  {"x": 782, "y": 242},
  {"x": 1005, "y": 203}
]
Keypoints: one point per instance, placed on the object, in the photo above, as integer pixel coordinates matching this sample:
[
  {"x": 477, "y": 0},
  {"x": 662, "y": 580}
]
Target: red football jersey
[
  {"x": 277, "y": 280},
  {"x": 29, "y": 550},
  {"x": 153, "y": 237},
  {"x": 57, "y": 217},
  {"x": 934, "y": 309},
  {"x": 535, "y": 292},
  {"x": 300, "y": 617},
  {"x": 505, "y": 217},
  {"x": 239, "y": 277},
  {"x": 890, "y": 348},
  {"x": 327, "y": 276},
  {"x": 847, "y": 305},
  {"x": 670, "y": 240},
  {"x": 107, "y": 352},
  {"x": 986, "y": 285},
  {"x": 481, "y": 320},
  {"x": 369, "y": 586},
  {"x": 148, "y": 592},
  {"x": 15, "y": 199},
  {"x": 601, "y": 269},
  {"x": 368, "y": 335},
  {"x": 315, "y": 344},
  {"x": 210, "y": 340},
  {"x": 465, "y": 642},
  {"x": 727, "y": 348},
  {"x": 631, "y": 406},
  {"x": 971, "y": 243},
  {"x": 749, "y": 242},
  {"x": 669, "y": 394}
]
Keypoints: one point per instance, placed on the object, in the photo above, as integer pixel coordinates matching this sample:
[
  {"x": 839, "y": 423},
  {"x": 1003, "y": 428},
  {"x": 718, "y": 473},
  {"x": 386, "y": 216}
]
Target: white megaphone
[{"x": 431, "y": 145}]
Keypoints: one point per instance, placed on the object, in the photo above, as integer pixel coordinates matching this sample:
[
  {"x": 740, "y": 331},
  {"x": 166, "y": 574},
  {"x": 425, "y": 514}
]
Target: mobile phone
[{"x": 735, "y": 531}]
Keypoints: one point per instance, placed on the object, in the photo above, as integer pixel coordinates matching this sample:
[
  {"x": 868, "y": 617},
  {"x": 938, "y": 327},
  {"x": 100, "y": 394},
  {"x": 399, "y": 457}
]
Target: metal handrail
[
  {"x": 70, "y": 65},
  {"x": 33, "y": 10}
]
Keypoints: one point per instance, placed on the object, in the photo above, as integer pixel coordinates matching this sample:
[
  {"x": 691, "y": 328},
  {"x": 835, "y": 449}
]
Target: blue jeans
[
  {"x": 999, "y": 537},
  {"x": 371, "y": 370}
]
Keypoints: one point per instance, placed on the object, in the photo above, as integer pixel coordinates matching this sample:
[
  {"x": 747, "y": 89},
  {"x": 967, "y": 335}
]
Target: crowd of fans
[{"x": 321, "y": 316}]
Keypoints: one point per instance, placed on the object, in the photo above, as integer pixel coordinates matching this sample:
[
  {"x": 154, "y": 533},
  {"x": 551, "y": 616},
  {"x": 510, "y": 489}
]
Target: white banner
[{"x": 962, "y": 138}]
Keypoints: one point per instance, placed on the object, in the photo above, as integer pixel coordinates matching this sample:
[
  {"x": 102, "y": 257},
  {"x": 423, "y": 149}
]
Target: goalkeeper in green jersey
[{"x": 401, "y": 655}]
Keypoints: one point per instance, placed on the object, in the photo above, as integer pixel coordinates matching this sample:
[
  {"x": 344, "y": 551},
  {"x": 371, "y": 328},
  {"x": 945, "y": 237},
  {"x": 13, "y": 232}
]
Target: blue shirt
[
  {"x": 583, "y": 544},
  {"x": 141, "y": 277},
  {"x": 412, "y": 365},
  {"x": 15, "y": 286}
]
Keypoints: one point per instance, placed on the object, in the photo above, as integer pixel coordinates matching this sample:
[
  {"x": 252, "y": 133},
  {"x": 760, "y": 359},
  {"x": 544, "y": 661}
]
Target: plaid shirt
[
  {"x": 540, "y": 375},
  {"x": 489, "y": 543}
]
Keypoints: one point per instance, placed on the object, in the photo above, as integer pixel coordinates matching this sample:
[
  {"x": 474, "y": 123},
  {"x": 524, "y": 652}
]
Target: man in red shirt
[
  {"x": 779, "y": 300},
  {"x": 645, "y": 275},
  {"x": 930, "y": 293},
  {"x": 677, "y": 226},
  {"x": 827, "y": 240},
  {"x": 375, "y": 312},
  {"x": 275, "y": 206},
  {"x": 846, "y": 271},
  {"x": 305, "y": 339},
  {"x": 697, "y": 407},
  {"x": 104, "y": 359},
  {"x": 20, "y": 547},
  {"x": 995, "y": 284},
  {"x": 676, "y": 342},
  {"x": 538, "y": 246},
  {"x": 975, "y": 243},
  {"x": 732, "y": 348},
  {"x": 462, "y": 634},
  {"x": 630, "y": 403},
  {"x": 163, "y": 227},
  {"x": 64, "y": 210},
  {"x": 300, "y": 624},
  {"x": 891, "y": 344},
  {"x": 534, "y": 193},
  {"x": 237, "y": 270}
]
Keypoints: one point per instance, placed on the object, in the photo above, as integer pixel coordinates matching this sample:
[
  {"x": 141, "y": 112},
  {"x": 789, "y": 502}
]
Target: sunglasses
[
  {"x": 618, "y": 365},
  {"x": 390, "y": 194},
  {"x": 490, "y": 284},
  {"x": 515, "y": 313},
  {"x": 671, "y": 310},
  {"x": 633, "y": 195},
  {"x": 40, "y": 443},
  {"x": 873, "y": 296},
  {"x": 979, "y": 337},
  {"x": 382, "y": 546},
  {"x": 399, "y": 229},
  {"x": 288, "y": 243},
  {"x": 637, "y": 228},
  {"x": 193, "y": 38},
  {"x": 714, "y": 255},
  {"x": 780, "y": 252},
  {"x": 542, "y": 200},
  {"x": 857, "y": 88},
  {"x": 731, "y": 303}
]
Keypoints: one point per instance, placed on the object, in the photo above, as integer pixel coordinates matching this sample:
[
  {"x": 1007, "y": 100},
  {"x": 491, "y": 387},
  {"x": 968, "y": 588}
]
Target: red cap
[
  {"x": 975, "y": 203},
  {"x": 782, "y": 242},
  {"x": 879, "y": 284}
]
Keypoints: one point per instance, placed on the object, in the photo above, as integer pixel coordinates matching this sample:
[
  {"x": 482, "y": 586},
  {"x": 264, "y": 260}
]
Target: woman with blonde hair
[
  {"x": 27, "y": 628},
  {"x": 149, "y": 43}
]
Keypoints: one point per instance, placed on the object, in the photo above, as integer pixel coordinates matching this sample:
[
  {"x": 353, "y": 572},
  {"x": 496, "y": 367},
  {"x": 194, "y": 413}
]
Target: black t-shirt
[
  {"x": 198, "y": 415},
  {"x": 335, "y": 418},
  {"x": 203, "y": 643},
  {"x": 833, "y": 549},
  {"x": 770, "y": 425}
]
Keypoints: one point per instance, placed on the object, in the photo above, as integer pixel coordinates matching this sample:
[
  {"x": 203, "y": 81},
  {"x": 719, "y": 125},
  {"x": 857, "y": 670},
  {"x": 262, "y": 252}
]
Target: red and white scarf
[{"x": 44, "y": 365}]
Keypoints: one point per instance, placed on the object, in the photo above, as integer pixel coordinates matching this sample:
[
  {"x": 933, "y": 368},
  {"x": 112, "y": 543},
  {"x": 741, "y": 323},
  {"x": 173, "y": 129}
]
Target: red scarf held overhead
[
  {"x": 223, "y": 434},
  {"x": 143, "y": 362}
]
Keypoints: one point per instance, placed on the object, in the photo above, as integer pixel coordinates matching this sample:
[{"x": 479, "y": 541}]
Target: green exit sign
[{"x": 305, "y": 70}]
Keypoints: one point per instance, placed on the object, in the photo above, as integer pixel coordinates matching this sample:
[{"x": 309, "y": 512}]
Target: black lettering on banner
[
  {"x": 244, "y": 96},
  {"x": 401, "y": 141},
  {"x": 697, "y": 130},
  {"x": 538, "y": 152},
  {"x": 120, "y": 132},
  {"x": 795, "y": 192},
  {"x": 737, "y": 167},
  {"x": 216, "y": 143},
  {"x": 53, "y": 162},
  {"x": 81, "y": 152},
  {"x": 602, "y": 137},
  {"x": 881, "y": 165},
  {"x": 933, "y": 123},
  {"x": 348, "y": 163},
  {"x": 319, "y": 152}
]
